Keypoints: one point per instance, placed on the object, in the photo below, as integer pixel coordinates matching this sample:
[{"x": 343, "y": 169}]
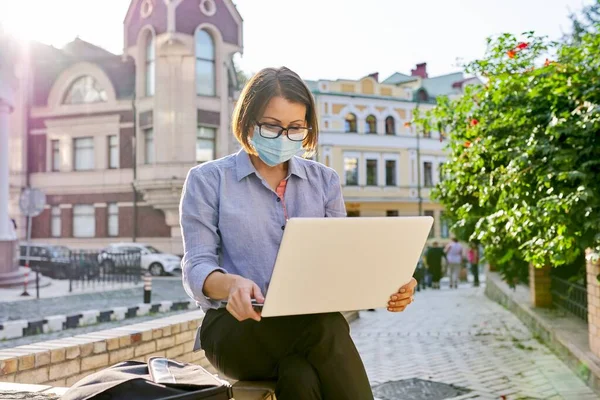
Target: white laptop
[{"x": 343, "y": 264}]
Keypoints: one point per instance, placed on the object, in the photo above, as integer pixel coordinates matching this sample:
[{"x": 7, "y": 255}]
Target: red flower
[
  {"x": 467, "y": 144},
  {"x": 522, "y": 45},
  {"x": 407, "y": 124},
  {"x": 511, "y": 54},
  {"x": 474, "y": 122}
]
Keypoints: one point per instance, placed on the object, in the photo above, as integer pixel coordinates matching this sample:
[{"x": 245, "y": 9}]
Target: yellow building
[{"x": 386, "y": 169}]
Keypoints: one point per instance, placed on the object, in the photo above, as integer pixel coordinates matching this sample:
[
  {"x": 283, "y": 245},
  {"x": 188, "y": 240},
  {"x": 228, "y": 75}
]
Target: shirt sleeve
[
  {"x": 334, "y": 206},
  {"x": 199, "y": 213}
]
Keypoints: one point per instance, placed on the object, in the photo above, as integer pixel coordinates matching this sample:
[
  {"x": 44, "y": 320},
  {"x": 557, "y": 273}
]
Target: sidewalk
[
  {"x": 57, "y": 301},
  {"x": 460, "y": 337}
]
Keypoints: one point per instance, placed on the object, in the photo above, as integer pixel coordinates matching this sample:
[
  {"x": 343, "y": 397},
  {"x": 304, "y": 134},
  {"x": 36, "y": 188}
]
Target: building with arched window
[
  {"x": 89, "y": 126},
  {"x": 386, "y": 167}
]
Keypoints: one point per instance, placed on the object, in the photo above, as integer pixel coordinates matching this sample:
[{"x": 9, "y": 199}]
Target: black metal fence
[
  {"x": 91, "y": 268},
  {"x": 569, "y": 296}
]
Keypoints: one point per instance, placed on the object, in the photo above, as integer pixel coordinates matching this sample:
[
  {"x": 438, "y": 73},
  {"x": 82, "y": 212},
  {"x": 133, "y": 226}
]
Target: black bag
[{"x": 159, "y": 379}]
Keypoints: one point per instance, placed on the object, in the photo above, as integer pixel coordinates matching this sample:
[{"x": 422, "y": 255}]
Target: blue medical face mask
[{"x": 274, "y": 151}]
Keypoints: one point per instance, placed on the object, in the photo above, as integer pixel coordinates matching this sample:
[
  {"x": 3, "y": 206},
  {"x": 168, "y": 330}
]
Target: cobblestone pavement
[
  {"x": 461, "y": 337},
  {"x": 167, "y": 288}
]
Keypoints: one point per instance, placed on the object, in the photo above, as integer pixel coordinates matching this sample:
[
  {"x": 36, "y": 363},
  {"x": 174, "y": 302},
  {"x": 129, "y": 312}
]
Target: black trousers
[
  {"x": 475, "y": 272},
  {"x": 310, "y": 356}
]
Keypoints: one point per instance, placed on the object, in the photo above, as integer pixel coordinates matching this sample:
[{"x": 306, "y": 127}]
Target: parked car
[
  {"x": 152, "y": 259},
  {"x": 50, "y": 260}
]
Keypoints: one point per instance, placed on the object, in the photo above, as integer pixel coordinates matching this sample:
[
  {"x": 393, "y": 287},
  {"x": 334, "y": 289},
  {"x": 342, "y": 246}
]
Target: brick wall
[
  {"x": 65, "y": 361},
  {"x": 593, "y": 293},
  {"x": 66, "y": 222},
  {"x": 151, "y": 222},
  {"x": 40, "y": 225},
  {"x": 101, "y": 222},
  {"x": 539, "y": 284}
]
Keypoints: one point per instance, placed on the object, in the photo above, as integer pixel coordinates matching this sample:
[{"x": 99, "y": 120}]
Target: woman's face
[{"x": 283, "y": 113}]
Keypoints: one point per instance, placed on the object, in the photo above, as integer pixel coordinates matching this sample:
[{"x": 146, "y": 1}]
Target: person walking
[
  {"x": 433, "y": 260},
  {"x": 473, "y": 257},
  {"x": 454, "y": 255}
]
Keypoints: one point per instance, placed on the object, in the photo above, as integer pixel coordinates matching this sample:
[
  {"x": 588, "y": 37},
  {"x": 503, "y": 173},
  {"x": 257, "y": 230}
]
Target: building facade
[
  {"x": 386, "y": 167},
  {"x": 110, "y": 138}
]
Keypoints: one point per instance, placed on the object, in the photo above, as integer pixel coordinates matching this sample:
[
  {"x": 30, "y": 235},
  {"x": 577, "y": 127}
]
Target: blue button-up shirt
[{"x": 232, "y": 221}]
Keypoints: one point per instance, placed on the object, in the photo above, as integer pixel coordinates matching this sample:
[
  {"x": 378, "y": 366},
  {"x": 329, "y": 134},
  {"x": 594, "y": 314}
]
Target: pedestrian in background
[
  {"x": 433, "y": 259},
  {"x": 454, "y": 255},
  {"x": 473, "y": 257}
]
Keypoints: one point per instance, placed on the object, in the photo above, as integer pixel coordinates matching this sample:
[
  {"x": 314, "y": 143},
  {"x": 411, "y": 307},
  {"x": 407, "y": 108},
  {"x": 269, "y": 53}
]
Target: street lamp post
[{"x": 420, "y": 198}]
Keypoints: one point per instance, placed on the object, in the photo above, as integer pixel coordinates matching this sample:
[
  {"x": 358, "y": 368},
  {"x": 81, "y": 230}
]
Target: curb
[
  {"x": 575, "y": 358},
  {"x": 54, "y": 323}
]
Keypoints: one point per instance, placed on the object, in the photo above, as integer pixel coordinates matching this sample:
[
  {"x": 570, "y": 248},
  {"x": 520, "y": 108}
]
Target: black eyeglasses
[{"x": 294, "y": 133}]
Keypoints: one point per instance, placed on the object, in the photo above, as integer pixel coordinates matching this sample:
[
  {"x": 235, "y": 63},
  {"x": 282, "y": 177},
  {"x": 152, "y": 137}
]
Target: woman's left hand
[{"x": 399, "y": 301}]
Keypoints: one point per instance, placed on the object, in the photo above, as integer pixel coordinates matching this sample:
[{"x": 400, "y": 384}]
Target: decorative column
[
  {"x": 10, "y": 273},
  {"x": 593, "y": 295},
  {"x": 539, "y": 285}
]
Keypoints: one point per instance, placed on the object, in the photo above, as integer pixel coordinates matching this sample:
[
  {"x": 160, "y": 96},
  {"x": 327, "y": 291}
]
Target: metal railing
[
  {"x": 569, "y": 296},
  {"x": 91, "y": 268}
]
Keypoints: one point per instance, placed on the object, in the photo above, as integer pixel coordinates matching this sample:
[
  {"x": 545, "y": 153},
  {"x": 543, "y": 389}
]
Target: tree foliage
[{"x": 524, "y": 165}]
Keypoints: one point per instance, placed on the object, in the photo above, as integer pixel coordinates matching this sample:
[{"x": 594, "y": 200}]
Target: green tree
[{"x": 525, "y": 152}]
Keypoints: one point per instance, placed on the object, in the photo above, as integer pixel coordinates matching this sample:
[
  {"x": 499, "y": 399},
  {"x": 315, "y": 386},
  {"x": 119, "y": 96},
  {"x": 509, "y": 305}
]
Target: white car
[{"x": 153, "y": 260}]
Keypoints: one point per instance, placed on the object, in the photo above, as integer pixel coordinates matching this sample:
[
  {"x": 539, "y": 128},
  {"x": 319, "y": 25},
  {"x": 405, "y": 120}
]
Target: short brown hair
[{"x": 259, "y": 90}]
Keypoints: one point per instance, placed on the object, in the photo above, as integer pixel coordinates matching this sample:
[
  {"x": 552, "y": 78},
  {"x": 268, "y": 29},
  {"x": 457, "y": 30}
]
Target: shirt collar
[{"x": 244, "y": 166}]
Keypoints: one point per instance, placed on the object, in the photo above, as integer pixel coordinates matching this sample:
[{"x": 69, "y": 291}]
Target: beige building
[
  {"x": 386, "y": 169},
  {"x": 91, "y": 128},
  {"x": 109, "y": 138}
]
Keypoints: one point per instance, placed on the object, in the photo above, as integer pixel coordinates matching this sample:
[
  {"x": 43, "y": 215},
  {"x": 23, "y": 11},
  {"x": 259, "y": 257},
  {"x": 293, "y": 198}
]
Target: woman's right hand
[{"x": 239, "y": 302}]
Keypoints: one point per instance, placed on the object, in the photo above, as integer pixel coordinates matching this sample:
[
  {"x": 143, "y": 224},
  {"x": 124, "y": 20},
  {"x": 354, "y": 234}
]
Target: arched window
[
  {"x": 390, "y": 126},
  {"x": 150, "y": 64},
  {"x": 422, "y": 95},
  {"x": 350, "y": 123},
  {"x": 84, "y": 90},
  {"x": 371, "y": 124},
  {"x": 205, "y": 64}
]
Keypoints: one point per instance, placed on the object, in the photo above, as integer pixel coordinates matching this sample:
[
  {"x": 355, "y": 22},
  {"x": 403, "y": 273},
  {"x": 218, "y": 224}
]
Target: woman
[
  {"x": 233, "y": 213},
  {"x": 473, "y": 256}
]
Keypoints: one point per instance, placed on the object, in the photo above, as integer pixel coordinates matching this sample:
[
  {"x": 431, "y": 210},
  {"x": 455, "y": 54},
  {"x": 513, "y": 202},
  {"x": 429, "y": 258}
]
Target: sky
[{"x": 321, "y": 39}]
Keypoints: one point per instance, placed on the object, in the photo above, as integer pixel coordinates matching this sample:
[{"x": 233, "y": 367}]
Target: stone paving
[{"x": 461, "y": 337}]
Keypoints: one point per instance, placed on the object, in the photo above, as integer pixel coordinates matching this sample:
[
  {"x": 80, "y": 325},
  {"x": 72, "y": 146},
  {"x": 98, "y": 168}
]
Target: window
[
  {"x": 205, "y": 144},
  {"x": 441, "y": 171},
  {"x": 84, "y": 154},
  {"x": 150, "y": 65},
  {"x": 430, "y": 213},
  {"x": 350, "y": 123},
  {"x": 427, "y": 174},
  {"x": 55, "y": 157},
  {"x": 371, "y": 124},
  {"x": 351, "y": 170},
  {"x": 391, "y": 213},
  {"x": 55, "y": 222},
  {"x": 444, "y": 226},
  {"x": 84, "y": 221},
  {"x": 149, "y": 146},
  {"x": 390, "y": 126},
  {"x": 85, "y": 90},
  {"x": 113, "y": 152},
  {"x": 205, "y": 64},
  {"x": 390, "y": 173},
  {"x": 113, "y": 219},
  {"x": 371, "y": 172}
]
